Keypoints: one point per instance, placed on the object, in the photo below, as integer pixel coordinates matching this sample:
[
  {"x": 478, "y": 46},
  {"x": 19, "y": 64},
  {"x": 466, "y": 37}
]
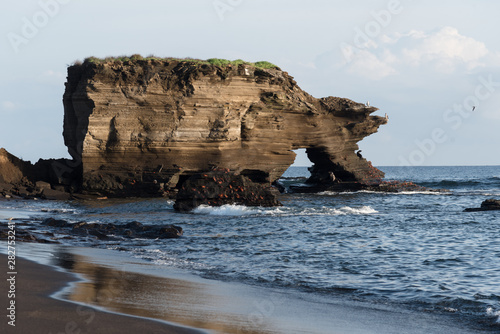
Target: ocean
[{"x": 410, "y": 250}]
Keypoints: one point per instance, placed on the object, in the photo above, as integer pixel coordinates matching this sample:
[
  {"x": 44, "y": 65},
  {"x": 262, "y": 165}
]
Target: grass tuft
[{"x": 265, "y": 64}]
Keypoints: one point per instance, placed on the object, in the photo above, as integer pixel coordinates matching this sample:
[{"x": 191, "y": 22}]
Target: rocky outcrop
[
  {"x": 144, "y": 127},
  {"x": 52, "y": 230},
  {"x": 12, "y": 169},
  {"x": 21, "y": 179},
  {"x": 488, "y": 205},
  {"x": 110, "y": 230},
  {"x": 221, "y": 187}
]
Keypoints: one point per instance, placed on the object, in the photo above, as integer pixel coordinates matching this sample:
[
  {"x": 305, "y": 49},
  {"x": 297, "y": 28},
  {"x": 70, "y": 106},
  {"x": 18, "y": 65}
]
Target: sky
[{"x": 432, "y": 66}]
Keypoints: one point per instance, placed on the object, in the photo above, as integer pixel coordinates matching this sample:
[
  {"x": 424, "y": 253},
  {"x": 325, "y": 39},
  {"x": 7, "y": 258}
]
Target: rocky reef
[
  {"x": 42, "y": 231},
  {"x": 488, "y": 205},
  {"x": 142, "y": 127}
]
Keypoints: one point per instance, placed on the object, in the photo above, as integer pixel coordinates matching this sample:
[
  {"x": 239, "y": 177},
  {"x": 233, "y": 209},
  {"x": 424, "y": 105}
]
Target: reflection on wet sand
[{"x": 192, "y": 304}]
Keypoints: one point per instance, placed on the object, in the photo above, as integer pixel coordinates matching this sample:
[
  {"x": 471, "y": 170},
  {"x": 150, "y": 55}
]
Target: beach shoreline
[
  {"x": 37, "y": 312},
  {"x": 120, "y": 295}
]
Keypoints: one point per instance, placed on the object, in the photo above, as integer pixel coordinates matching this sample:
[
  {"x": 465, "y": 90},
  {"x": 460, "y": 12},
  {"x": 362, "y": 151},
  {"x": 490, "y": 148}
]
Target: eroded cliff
[{"x": 148, "y": 125}]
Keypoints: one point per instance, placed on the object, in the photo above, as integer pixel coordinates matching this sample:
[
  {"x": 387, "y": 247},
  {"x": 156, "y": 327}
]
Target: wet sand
[
  {"x": 37, "y": 312},
  {"x": 115, "y": 282}
]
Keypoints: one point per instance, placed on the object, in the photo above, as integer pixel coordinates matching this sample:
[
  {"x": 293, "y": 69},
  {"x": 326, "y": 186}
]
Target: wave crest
[
  {"x": 241, "y": 210},
  {"x": 416, "y": 192},
  {"x": 364, "y": 210},
  {"x": 227, "y": 210},
  {"x": 491, "y": 313}
]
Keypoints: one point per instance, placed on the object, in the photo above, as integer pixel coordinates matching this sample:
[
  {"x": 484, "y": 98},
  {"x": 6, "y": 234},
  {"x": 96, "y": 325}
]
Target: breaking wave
[
  {"x": 428, "y": 192},
  {"x": 227, "y": 210},
  {"x": 241, "y": 210}
]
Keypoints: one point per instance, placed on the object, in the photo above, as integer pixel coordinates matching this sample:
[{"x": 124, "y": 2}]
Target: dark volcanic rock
[
  {"x": 131, "y": 230},
  {"x": 105, "y": 231},
  {"x": 220, "y": 187},
  {"x": 100, "y": 231},
  {"x": 488, "y": 205},
  {"x": 55, "y": 222},
  {"x": 22, "y": 234}
]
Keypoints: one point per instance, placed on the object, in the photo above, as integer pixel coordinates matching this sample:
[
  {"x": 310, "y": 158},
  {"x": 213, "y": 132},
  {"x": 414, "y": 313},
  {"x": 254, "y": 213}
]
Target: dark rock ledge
[
  {"x": 220, "y": 187},
  {"x": 488, "y": 205},
  {"x": 31, "y": 231},
  {"x": 109, "y": 230}
]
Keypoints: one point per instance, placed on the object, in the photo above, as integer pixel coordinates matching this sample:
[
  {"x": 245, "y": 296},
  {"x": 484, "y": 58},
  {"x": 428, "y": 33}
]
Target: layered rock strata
[{"x": 146, "y": 126}]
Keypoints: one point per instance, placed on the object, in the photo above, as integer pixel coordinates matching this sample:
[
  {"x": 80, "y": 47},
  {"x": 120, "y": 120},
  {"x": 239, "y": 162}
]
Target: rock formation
[
  {"x": 12, "y": 169},
  {"x": 21, "y": 179},
  {"x": 220, "y": 187},
  {"x": 110, "y": 230},
  {"x": 488, "y": 205},
  {"x": 145, "y": 126}
]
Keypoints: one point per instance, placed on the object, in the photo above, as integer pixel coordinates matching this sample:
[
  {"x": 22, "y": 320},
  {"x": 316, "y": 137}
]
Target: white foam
[
  {"x": 161, "y": 258},
  {"x": 491, "y": 313},
  {"x": 336, "y": 193},
  {"x": 480, "y": 192},
  {"x": 330, "y": 193},
  {"x": 427, "y": 192},
  {"x": 327, "y": 211},
  {"x": 423, "y": 193},
  {"x": 227, "y": 210},
  {"x": 364, "y": 210},
  {"x": 241, "y": 210},
  {"x": 49, "y": 210}
]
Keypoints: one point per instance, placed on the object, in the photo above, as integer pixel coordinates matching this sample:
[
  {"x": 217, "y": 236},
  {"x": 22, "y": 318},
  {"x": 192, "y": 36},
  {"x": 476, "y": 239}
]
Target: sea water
[{"x": 413, "y": 250}]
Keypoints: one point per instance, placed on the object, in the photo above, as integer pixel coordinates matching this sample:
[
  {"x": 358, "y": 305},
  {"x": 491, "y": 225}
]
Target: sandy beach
[
  {"x": 108, "y": 292},
  {"x": 37, "y": 312}
]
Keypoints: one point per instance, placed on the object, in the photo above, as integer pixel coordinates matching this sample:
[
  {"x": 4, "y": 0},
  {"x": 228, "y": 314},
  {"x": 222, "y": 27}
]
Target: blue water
[{"x": 415, "y": 250}]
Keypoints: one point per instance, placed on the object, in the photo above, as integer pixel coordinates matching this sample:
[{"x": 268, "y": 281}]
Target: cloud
[
  {"x": 8, "y": 106},
  {"x": 374, "y": 67},
  {"x": 445, "y": 51}
]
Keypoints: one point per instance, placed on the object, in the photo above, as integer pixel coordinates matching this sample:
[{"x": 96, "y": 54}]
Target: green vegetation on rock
[{"x": 212, "y": 61}]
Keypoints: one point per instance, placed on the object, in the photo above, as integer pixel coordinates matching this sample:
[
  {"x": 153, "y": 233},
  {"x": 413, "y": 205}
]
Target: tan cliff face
[
  {"x": 159, "y": 121},
  {"x": 12, "y": 169}
]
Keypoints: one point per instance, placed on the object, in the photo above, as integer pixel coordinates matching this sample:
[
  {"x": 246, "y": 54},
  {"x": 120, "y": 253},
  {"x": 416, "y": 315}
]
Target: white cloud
[
  {"x": 8, "y": 106},
  {"x": 445, "y": 51},
  {"x": 369, "y": 65},
  {"x": 446, "y": 48}
]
